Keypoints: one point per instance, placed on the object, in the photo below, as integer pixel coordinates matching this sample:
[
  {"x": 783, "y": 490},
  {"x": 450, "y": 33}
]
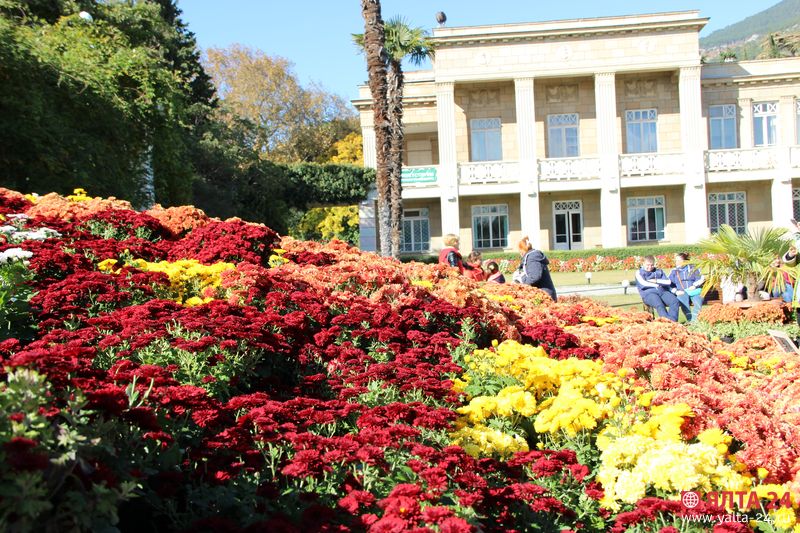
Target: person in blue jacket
[
  {"x": 533, "y": 269},
  {"x": 687, "y": 282},
  {"x": 655, "y": 288}
]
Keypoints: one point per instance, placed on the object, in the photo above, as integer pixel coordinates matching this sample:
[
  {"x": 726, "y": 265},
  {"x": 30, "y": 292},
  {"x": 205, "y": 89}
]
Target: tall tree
[
  {"x": 83, "y": 100},
  {"x": 402, "y": 43},
  {"x": 374, "y": 46},
  {"x": 281, "y": 120}
]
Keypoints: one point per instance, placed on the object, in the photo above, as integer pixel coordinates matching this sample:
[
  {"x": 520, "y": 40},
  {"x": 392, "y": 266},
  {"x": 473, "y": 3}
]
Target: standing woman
[{"x": 533, "y": 269}]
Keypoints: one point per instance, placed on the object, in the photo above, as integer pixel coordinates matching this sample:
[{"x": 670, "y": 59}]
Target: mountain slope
[{"x": 781, "y": 16}]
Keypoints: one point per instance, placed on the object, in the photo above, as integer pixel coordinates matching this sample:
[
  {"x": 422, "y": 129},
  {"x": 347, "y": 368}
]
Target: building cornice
[
  {"x": 540, "y": 31},
  {"x": 751, "y": 80},
  {"x": 363, "y": 104}
]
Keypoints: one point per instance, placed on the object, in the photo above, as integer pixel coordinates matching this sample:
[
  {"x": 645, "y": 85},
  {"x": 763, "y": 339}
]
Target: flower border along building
[{"x": 590, "y": 133}]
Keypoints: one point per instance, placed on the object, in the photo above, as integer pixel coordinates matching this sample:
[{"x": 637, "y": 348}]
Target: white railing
[
  {"x": 651, "y": 164},
  {"x": 794, "y": 156},
  {"x": 569, "y": 168},
  {"x": 741, "y": 159},
  {"x": 488, "y": 172}
]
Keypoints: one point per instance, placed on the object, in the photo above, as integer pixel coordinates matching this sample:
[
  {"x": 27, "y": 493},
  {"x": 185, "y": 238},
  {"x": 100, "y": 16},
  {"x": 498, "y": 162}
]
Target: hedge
[{"x": 629, "y": 251}]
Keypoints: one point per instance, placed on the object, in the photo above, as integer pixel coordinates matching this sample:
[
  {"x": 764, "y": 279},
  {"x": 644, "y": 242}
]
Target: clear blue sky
[{"x": 315, "y": 34}]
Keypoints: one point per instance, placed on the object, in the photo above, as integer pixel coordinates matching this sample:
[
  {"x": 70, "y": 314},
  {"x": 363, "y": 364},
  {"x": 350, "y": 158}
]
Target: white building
[{"x": 591, "y": 133}]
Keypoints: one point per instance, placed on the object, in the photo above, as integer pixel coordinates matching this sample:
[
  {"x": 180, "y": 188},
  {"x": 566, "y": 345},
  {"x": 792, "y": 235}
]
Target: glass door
[{"x": 568, "y": 225}]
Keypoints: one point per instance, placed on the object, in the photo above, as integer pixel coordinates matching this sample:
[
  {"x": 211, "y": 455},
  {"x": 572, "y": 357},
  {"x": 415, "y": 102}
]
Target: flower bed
[{"x": 194, "y": 376}]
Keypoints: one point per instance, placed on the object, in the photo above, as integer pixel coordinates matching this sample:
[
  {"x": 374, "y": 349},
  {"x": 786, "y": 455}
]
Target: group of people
[
  {"x": 533, "y": 269},
  {"x": 669, "y": 294}
]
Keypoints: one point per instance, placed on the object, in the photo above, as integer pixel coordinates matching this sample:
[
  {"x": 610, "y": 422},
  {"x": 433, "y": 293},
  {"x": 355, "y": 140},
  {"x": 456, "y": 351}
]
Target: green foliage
[
  {"x": 274, "y": 194},
  {"x": 83, "y": 101},
  {"x": 331, "y": 183},
  {"x": 741, "y": 258},
  {"x": 326, "y": 223},
  {"x": 54, "y": 498},
  {"x": 628, "y": 251},
  {"x": 741, "y": 329},
  {"x": 16, "y": 319}
]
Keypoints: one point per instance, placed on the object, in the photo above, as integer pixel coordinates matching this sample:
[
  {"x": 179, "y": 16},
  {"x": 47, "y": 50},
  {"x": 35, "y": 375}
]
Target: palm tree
[
  {"x": 402, "y": 42},
  {"x": 375, "y": 49},
  {"x": 742, "y": 258}
]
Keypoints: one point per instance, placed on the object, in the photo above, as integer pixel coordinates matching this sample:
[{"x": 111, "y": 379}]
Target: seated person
[
  {"x": 687, "y": 282},
  {"x": 474, "y": 266},
  {"x": 655, "y": 288},
  {"x": 449, "y": 255},
  {"x": 783, "y": 290},
  {"x": 493, "y": 271}
]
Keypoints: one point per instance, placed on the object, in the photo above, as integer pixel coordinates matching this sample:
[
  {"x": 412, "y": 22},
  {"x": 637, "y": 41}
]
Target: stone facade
[{"x": 593, "y": 133}]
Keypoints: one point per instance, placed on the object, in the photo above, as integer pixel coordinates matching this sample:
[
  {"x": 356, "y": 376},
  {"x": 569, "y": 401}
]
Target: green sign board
[{"x": 418, "y": 175}]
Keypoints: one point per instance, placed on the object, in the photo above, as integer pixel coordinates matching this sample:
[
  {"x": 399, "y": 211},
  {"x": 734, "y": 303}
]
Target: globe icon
[{"x": 690, "y": 499}]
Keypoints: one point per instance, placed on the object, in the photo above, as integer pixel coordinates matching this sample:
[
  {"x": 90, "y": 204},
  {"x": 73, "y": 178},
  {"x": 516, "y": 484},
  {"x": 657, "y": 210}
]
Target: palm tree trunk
[
  {"x": 376, "y": 67},
  {"x": 751, "y": 284},
  {"x": 394, "y": 78}
]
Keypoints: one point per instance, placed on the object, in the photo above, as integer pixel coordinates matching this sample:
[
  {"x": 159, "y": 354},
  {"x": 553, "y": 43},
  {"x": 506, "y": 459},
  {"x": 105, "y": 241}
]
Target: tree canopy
[
  {"x": 83, "y": 103},
  {"x": 276, "y": 116}
]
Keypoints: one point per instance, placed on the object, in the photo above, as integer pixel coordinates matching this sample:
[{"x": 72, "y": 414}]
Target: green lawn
[
  {"x": 625, "y": 301},
  {"x": 611, "y": 277}
]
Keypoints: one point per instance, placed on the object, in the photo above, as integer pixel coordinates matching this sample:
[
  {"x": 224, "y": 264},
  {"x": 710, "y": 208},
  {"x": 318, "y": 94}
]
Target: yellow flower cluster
[
  {"x": 600, "y": 321},
  {"x": 422, "y": 283},
  {"x": 570, "y": 411},
  {"x": 500, "y": 297},
  {"x": 650, "y": 455},
  {"x": 633, "y": 464},
  {"x": 33, "y": 198},
  {"x": 565, "y": 396},
  {"x": 79, "y": 195},
  {"x": 277, "y": 259},
  {"x": 191, "y": 282},
  {"x": 509, "y": 402},
  {"x": 480, "y": 441}
]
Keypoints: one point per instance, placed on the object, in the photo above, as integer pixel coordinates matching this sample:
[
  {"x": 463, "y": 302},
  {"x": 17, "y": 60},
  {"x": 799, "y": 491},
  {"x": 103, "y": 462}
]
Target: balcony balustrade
[
  {"x": 488, "y": 172},
  {"x": 650, "y": 164},
  {"x": 569, "y": 168},
  {"x": 741, "y": 159}
]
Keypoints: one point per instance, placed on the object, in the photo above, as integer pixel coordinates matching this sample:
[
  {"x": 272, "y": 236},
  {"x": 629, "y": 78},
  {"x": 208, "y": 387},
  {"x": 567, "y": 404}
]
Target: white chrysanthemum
[{"x": 14, "y": 254}]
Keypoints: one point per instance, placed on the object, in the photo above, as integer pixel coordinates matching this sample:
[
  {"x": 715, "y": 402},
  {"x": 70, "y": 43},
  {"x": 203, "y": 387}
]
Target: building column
[
  {"x": 605, "y": 94},
  {"x": 781, "y": 190},
  {"x": 745, "y": 122},
  {"x": 694, "y": 142},
  {"x": 530, "y": 219},
  {"x": 367, "y": 210},
  {"x": 448, "y": 163}
]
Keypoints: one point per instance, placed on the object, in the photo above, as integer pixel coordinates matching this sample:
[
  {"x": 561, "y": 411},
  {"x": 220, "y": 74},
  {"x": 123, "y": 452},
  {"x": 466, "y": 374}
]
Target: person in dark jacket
[
  {"x": 533, "y": 269},
  {"x": 655, "y": 288},
  {"x": 687, "y": 284}
]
